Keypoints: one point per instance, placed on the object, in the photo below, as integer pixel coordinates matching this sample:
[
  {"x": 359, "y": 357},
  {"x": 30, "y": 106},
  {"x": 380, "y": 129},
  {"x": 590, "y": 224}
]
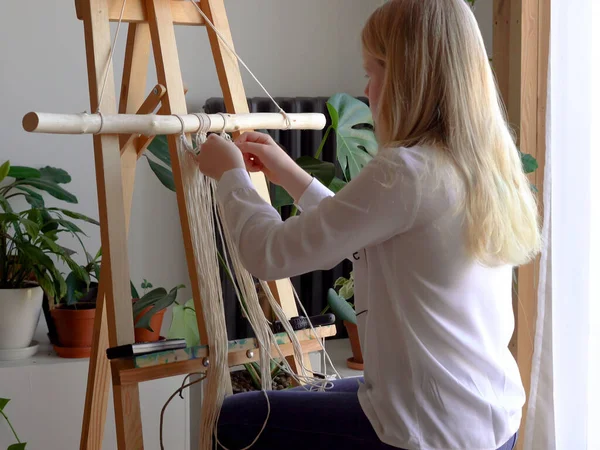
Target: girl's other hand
[
  {"x": 218, "y": 156},
  {"x": 262, "y": 154}
]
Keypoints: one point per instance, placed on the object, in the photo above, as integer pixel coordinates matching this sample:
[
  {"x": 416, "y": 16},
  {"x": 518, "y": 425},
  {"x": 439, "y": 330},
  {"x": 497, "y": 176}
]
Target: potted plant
[
  {"x": 29, "y": 249},
  {"x": 149, "y": 310},
  {"x": 340, "y": 304},
  {"x": 71, "y": 323}
]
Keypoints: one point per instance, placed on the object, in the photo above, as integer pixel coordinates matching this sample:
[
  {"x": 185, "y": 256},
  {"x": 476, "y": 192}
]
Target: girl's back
[{"x": 435, "y": 324}]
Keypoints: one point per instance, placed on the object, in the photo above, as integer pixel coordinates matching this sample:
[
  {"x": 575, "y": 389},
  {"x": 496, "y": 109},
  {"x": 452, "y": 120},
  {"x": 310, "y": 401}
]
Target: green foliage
[
  {"x": 352, "y": 125},
  {"x": 158, "y": 298},
  {"x": 345, "y": 286},
  {"x": 184, "y": 324},
  {"x": 341, "y": 307},
  {"x": 29, "y": 239},
  {"x": 80, "y": 278},
  {"x": 19, "y": 445}
]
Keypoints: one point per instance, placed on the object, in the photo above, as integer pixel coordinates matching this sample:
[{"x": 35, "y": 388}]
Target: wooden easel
[{"x": 150, "y": 22}]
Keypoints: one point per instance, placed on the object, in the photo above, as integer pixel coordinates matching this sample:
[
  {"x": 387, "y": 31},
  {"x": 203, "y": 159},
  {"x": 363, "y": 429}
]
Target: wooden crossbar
[
  {"x": 171, "y": 363},
  {"x": 183, "y": 12}
]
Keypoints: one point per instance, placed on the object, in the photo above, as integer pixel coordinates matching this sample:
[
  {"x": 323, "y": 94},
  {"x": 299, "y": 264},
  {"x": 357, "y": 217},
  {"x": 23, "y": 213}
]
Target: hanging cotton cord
[
  {"x": 233, "y": 52},
  {"x": 110, "y": 59},
  {"x": 178, "y": 391},
  {"x": 199, "y": 199}
]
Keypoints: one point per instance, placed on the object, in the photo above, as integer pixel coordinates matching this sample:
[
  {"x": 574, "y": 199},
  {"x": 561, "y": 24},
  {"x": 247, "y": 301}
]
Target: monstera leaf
[{"x": 353, "y": 124}]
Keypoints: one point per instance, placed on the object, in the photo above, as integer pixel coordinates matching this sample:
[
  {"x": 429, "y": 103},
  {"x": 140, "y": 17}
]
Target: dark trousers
[{"x": 302, "y": 420}]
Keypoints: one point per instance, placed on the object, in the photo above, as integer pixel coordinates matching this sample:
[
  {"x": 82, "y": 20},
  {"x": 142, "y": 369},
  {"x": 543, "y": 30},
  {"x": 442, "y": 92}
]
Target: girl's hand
[
  {"x": 217, "y": 156},
  {"x": 262, "y": 154}
]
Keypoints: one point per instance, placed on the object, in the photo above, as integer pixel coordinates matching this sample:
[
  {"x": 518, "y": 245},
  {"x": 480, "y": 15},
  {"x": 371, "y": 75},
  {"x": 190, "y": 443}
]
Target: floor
[{"x": 339, "y": 351}]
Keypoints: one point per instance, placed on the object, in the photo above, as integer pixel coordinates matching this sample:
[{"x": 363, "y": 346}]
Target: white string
[
  {"x": 110, "y": 55},
  {"x": 261, "y": 430},
  {"x": 199, "y": 193},
  {"x": 288, "y": 123}
]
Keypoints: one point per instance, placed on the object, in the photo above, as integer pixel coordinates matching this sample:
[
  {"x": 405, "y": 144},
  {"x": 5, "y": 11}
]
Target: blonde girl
[{"x": 434, "y": 226}]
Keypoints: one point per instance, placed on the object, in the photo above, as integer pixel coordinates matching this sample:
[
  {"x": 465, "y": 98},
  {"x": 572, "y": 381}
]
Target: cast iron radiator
[{"x": 311, "y": 287}]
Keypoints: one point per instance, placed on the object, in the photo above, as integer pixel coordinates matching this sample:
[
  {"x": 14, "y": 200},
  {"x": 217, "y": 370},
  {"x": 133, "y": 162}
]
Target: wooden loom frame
[
  {"x": 520, "y": 58},
  {"x": 151, "y": 22}
]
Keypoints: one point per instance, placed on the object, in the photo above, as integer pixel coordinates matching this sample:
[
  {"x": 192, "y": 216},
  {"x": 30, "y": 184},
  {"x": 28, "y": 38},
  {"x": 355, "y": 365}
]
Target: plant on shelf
[
  {"x": 19, "y": 445},
  {"x": 29, "y": 248},
  {"x": 340, "y": 304},
  {"x": 72, "y": 316},
  {"x": 149, "y": 310}
]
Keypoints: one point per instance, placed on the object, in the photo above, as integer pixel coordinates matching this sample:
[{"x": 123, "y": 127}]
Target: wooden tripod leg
[
  {"x": 168, "y": 72},
  {"x": 115, "y": 263},
  {"x": 96, "y": 396},
  {"x": 234, "y": 95},
  {"x": 132, "y": 95}
]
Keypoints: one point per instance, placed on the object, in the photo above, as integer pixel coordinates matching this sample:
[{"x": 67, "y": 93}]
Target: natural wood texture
[
  {"x": 115, "y": 263},
  {"x": 155, "y": 124},
  {"x": 135, "y": 67},
  {"x": 189, "y": 360},
  {"x": 129, "y": 398},
  {"x": 234, "y": 95},
  {"x": 144, "y": 141},
  {"x": 521, "y": 50},
  {"x": 132, "y": 143},
  {"x": 169, "y": 75},
  {"x": 184, "y": 13},
  {"x": 108, "y": 174},
  {"x": 96, "y": 394}
]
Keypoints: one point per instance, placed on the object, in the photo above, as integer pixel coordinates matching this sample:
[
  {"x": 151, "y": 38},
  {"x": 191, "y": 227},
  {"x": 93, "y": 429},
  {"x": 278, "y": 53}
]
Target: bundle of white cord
[
  {"x": 198, "y": 191},
  {"x": 203, "y": 208}
]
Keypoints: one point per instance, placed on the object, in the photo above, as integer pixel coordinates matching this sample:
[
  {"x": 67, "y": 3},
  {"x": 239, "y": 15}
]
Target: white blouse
[{"x": 434, "y": 325}]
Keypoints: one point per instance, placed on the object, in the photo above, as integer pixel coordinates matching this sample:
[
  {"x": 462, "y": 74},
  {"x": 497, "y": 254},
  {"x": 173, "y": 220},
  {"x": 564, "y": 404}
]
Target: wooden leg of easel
[
  {"x": 168, "y": 73},
  {"x": 96, "y": 398},
  {"x": 132, "y": 95},
  {"x": 115, "y": 262},
  {"x": 234, "y": 95}
]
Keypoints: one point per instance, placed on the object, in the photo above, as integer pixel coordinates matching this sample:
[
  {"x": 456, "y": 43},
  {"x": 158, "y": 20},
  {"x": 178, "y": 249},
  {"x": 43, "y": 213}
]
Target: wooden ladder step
[{"x": 171, "y": 363}]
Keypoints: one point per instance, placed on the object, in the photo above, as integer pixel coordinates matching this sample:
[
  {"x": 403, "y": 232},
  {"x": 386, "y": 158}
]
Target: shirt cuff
[
  {"x": 232, "y": 180},
  {"x": 312, "y": 196}
]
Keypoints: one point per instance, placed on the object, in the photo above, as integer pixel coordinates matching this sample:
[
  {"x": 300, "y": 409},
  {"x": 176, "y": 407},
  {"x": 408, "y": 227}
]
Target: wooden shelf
[{"x": 189, "y": 360}]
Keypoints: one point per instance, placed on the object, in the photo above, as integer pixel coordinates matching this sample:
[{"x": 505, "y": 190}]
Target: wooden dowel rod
[{"x": 154, "y": 124}]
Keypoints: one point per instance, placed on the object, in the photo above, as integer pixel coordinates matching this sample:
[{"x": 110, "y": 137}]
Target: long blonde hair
[{"x": 439, "y": 89}]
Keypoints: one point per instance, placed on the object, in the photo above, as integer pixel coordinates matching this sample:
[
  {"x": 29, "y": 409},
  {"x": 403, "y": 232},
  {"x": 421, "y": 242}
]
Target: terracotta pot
[
  {"x": 75, "y": 329},
  {"x": 144, "y": 335},
  {"x": 356, "y": 361}
]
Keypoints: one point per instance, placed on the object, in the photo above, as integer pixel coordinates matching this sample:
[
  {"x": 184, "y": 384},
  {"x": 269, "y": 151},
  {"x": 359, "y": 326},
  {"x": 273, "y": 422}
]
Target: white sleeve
[
  {"x": 312, "y": 196},
  {"x": 378, "y": 204}
]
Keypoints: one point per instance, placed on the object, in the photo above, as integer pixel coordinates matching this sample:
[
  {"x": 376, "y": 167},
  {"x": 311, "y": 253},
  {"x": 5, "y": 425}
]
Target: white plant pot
[{"x": 19, "y": 316}]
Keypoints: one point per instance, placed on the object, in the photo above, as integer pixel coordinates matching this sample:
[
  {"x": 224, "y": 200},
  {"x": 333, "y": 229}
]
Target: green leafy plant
[
  {"x": 339, "y": 301},
  {"x": 79, "y": 282},
  {"x": 19, "y": 445},
  {"x": 157, "y": 298},
  {"x": 29, "y": 239},
  {"x": 184, "y": 324},
  {"x": 352, "y": 124},
  {"x": 253, "y": 369}
]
